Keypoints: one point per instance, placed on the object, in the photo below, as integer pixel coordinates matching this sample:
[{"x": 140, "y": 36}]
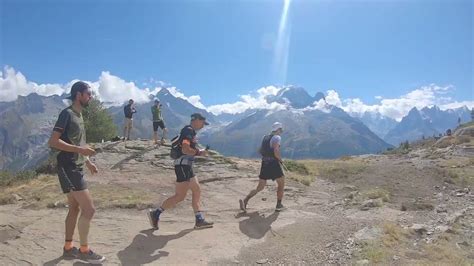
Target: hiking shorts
[
  {"x": 71, "y": 178},
  {"x": 270, "y": 170},
  {"x": 183, "y": 173},
  {"x": 128, "y": 122},
  {"x": 157, "y": 124}
]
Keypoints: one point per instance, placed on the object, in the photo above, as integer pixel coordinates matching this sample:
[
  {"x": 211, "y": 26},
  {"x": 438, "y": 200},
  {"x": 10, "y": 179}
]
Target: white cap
[{"x": 276, "y": 126}]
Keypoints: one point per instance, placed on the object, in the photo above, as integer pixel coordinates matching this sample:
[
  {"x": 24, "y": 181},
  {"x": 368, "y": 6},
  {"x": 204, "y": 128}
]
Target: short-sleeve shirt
[
  {"x": 156, "y": 112},
  {"x": 187, "y": 133},
  {"x": 275, "y": 139},
  {"x": 71, "y": 126},
  {"x": 128, "y": 111}
]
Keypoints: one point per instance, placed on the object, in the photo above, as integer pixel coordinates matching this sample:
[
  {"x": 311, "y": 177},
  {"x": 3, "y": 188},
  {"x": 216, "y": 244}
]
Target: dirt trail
[{"x": 319, "y": 225}]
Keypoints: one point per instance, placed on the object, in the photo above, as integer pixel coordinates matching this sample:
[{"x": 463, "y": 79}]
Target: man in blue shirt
[
  {"x": 185, "y": 177},
  {"x": 128, "y": 111}
]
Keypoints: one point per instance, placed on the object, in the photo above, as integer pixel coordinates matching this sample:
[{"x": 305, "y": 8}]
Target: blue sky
[{"x": 222, "y": 49}]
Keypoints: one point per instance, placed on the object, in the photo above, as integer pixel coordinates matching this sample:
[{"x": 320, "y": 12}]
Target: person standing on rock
[
  {"x": 185, "y": 178},
  {"x": 158, "y": 122},
  {"x": 128, "y": 111},
  {"x": 270, "y": 168},
  {"x": 69, "y": 138}
]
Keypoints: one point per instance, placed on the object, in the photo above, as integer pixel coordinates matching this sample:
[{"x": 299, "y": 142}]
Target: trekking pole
[{"x": 286, "y": 169}]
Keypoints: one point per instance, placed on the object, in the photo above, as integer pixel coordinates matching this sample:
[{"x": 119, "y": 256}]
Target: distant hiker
[
  {"x": 158, "y": 122},
  {"x": 128, "y": 111},
  {"x": 270, "y": 168},
  {"x": 69, "y": 138},
  {"x": 185, "y": 178}
]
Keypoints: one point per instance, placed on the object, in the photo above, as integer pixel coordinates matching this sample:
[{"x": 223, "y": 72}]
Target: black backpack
[
  {"x": 265, "y": 149},
  {"x": 176, "y": 147}
]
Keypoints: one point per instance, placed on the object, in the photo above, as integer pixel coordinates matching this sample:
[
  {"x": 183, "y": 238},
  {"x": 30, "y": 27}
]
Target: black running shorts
[
  {"x": 183, "y": 173},
  {"x": 71, "y": 178},
  {"x": 157, "y": 124},
  {"x": 270, "y": 170}
]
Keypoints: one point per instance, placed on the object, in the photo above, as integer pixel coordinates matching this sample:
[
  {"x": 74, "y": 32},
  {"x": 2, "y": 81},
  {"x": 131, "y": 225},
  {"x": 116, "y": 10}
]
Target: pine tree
[{"x": 98, "y": 122}]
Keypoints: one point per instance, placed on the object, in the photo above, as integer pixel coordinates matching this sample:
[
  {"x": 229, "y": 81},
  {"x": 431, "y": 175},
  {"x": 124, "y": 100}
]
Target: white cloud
[
  {"x": 320, "y": 105},
  {"x": 13, "y": 84},
  {"x": 397, "y": 108},
  {"x": 454, "y": 105},
  {"x": 115, "y": 90},
  {"x": 249, "y": 102},
  {"x": 332, "y": 97},
  {"x": 196, "y": 101},
  {"x": 193, "y": 99},
  {"x": 110, "y": 89}
]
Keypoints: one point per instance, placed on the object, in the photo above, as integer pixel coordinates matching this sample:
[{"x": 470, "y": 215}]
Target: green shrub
[
  {"x": 294, "y": 166},
  {"x": 9, "y": 178}
]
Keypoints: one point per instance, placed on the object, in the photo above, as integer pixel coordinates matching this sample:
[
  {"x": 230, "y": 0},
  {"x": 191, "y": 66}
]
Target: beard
[{"x": 85, "y": 104}]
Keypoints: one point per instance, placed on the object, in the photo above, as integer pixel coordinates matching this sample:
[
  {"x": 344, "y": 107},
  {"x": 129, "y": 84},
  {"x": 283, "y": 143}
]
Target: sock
[
  {"x": 158, "y": 212},
  {"x": 279, "y": 202},
  {"x": 68, "y": 245},
  {"x": 199, "y": 216}
]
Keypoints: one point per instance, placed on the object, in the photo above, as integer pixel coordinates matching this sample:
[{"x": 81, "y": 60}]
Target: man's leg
[
  {"x": 165, "y": 130},
  {"x": 281, "y": 186},
  {"x": 87, "y": 207},
  {"x": 179, "y": 195},
  {"x": 130, "y": 126},
  {"x": 125, "y": 130},
  {"x": 196, "y": 202},
  {"x": 70, "y": 223},
  {"x": 155, "y": 137},
  {"x": 155, "y": 132},
  {"x": 71, "y": 218},
  {"x": 196, "y": 194},
  {"x": 260, "y": 187}
]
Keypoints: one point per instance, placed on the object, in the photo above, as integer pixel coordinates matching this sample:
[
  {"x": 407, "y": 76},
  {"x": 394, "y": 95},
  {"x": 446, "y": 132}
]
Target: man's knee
[
  {"x": 88, "y": 212},
  {"x": 74, "y": 209},
  {"x": 196, "y": 190},
  {"x": 194, "y": 185},
  {"x": 280, "y": 182},
  {"x": 180, "y": 197}
]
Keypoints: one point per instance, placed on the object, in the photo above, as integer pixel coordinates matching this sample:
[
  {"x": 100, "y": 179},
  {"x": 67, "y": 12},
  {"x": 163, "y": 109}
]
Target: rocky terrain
[{"x": 411, "y": 206}]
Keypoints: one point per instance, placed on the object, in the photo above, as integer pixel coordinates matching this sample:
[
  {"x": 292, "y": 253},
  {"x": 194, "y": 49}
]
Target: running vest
[{"x": 265, "y": 149}]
